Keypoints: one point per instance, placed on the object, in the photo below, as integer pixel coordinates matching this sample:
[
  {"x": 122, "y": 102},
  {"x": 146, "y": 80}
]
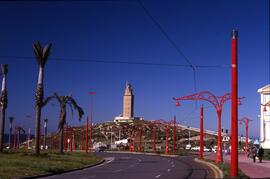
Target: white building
[{"x": 265, "y": 116}]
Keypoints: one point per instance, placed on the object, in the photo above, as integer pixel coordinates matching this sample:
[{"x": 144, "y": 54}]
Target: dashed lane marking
[
  {"x": 157, "y": 176},
  {"x": 169, "y": 170},
  {"x": 115, "y": 171},
  {"x": 88, "y": 177}
]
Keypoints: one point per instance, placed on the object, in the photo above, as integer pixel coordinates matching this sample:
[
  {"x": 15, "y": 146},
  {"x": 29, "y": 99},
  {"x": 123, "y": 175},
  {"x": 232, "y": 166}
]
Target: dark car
[{"x": 101, "y": 149}]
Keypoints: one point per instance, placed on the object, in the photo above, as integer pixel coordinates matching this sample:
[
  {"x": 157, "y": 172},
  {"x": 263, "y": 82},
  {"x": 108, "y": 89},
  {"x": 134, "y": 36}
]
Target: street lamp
[
  {"x": 11, "y": 119},
  {"x": 45, "y": 131},
  {"x": 245, "y": 121},
  {"x": 91, "y": 93},
  {"x": 217, "y": 102}
]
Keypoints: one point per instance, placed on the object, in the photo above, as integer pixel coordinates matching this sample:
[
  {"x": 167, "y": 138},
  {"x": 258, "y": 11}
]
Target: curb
[
  {"x": 217, "y": 172},
  {"x": 65, "y": 171}
]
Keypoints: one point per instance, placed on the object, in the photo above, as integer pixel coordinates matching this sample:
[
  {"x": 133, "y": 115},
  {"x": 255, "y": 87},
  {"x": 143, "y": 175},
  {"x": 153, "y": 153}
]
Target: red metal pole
[
  {"x": 74, "y": 144},
  {"x": 91, "y": 120},
  {"x": 201, "y": 133},
  {"x": 167, "y": 147},
  {"x": 246, "y": 137},
  {"x": 174, "y": 135},
  {"x": 140, "y": 147},
  {"x": 9, "y": 138},
  {"x": 219, "y": 155},
  {"x": 14, "y": 142},
  {"x": 86, "y": 142},
  {"x": 65, "y": 137},
  {"x": 131, "y": 142},
  {"x": 234, "y": 106},
  {"x": 71, "y": 138},
  {"x": 154, "y": 135}
]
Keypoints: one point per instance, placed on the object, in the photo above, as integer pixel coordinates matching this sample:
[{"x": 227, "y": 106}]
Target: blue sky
[{"x": 122, "y": 31}]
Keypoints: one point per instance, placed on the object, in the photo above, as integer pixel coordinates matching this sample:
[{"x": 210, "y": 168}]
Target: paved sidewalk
[{"x": 253, "y": 170}]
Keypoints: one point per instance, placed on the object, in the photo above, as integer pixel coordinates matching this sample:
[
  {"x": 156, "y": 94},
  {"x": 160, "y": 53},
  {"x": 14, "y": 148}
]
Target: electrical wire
[{"x": 84, "y": 60}]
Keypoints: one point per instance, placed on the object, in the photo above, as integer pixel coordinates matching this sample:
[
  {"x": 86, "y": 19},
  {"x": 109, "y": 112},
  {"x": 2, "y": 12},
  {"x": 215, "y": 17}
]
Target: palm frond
[
  {"x": 4, "y": 69},
  {"x": 76, "y": 107},
  {"x": 47, "y": 100},
  {"x": 46, "y": 53},
  {"x": 42, "y": 54}
]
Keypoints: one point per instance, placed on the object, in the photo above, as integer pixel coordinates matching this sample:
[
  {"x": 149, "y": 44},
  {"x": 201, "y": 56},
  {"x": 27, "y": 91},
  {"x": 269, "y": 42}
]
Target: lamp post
[
  {"x": 86, "y": 135},
  {"x": 234, "y": 107},
  {"x": 11, "y": 119},
  {"x": 140, "y": 145},
  {"x": 174, "y": 135},
  {"x": 217, "y": 102},
  {"x": 45, "y": 131},
  {"x": 246, "y": 121},
  {"x": 201, "y": 133},
  {"x": 166, "y": 145},
  {"x": 91, "y": 93},
  {"x": 154, "y": 139}
]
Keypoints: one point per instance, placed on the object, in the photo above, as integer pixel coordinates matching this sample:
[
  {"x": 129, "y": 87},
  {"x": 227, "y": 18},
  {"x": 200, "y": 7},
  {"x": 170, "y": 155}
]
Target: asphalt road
[{"x": 139, "y": 166}]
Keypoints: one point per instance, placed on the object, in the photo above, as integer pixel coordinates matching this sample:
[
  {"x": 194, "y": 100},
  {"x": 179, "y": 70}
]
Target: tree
[
  {"x": 64, "y": 101},
  {"x": 3, "y": 105},
  {"x": 42, "y": 55}
]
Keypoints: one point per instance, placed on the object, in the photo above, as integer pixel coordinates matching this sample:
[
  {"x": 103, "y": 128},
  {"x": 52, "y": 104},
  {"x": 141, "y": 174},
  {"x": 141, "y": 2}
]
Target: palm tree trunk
[
  {"x": 61, "y": 140},
  {"x": 3, "y": 104},
  {"x": 9, "y": 137},
  {"x": 37, "y": 132},
  {"x": 2, "y": 128}
]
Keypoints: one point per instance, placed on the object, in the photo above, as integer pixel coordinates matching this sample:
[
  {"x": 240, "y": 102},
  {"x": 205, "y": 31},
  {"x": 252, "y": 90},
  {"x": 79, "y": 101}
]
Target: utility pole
[
  {"x": 45, "y": 132},
  {"x": 234, "y": 107},
  {"x": 201, "y": 133}
]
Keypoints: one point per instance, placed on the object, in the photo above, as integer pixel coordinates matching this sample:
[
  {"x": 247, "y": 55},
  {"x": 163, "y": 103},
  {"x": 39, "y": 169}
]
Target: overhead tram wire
[
  {"x": 174, "y": 45},
  {"x": 97, "y": 60}
]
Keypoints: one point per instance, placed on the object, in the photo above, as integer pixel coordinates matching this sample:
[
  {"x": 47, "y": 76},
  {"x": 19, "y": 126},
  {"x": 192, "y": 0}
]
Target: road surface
[{"x": 139, "y": 166}]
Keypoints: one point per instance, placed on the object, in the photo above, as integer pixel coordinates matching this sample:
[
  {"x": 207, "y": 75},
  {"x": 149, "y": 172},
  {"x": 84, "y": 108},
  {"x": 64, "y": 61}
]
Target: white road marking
[
  {"x": 157, "y": 176},
  {"x": 172, "y": 166},
  {"x": 115, "y": 171},
  {"x": 169, "y": 170},
  {"x": 92, "y": 176},
  {"x": 107, "y": 160}
]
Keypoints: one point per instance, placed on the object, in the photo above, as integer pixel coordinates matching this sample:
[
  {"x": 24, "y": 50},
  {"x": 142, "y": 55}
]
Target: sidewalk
[{"x": 253, "y": 170}]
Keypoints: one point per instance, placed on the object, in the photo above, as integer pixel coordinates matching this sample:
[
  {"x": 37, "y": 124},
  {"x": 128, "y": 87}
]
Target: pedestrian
[
  {"x": 254, "y": 153},
  {"x": 260, "y": 153}
]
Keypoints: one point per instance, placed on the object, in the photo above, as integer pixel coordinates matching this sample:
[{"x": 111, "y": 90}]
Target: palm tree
[
  {"x": 42, "y": 55},
  {"x": 63, "y": 102},
  {"x": 11, "y": 119},
  {"x": 3, "y": 105}
]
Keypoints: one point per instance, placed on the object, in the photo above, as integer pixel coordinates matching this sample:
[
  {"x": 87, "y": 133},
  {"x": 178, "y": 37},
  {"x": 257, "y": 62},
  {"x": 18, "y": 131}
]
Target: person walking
[
  {"x": 254, "y": 153},
  {"x": 260, "y": 153}
]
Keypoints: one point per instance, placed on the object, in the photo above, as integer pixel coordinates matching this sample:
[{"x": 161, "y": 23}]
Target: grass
[
  {"x": 225, "y": 168},
  {"x": 22, "y": 164}
]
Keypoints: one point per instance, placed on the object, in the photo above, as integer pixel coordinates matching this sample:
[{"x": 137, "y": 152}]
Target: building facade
[{"x": 265, "y": 116}]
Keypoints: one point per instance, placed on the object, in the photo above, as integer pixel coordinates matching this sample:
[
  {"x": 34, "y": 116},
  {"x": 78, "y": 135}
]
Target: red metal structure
[
  {"x": 131, "y": 146},
  {"x": 201, "y": 133},
  {"x": 140, "y": 145},
  {"x": 245, "y": 121},
  {"x": 234, "y": 106},
  {"x": 154, "y": 138},
  {"x": 174, "y": 135},
  {"x": 167, "y": 135},
  {"x": 14, "y": 137},
  {"x": 217, "y": 102},
  {"x": 86, "y": 135},
  {"x": 91, "y": 93}
]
